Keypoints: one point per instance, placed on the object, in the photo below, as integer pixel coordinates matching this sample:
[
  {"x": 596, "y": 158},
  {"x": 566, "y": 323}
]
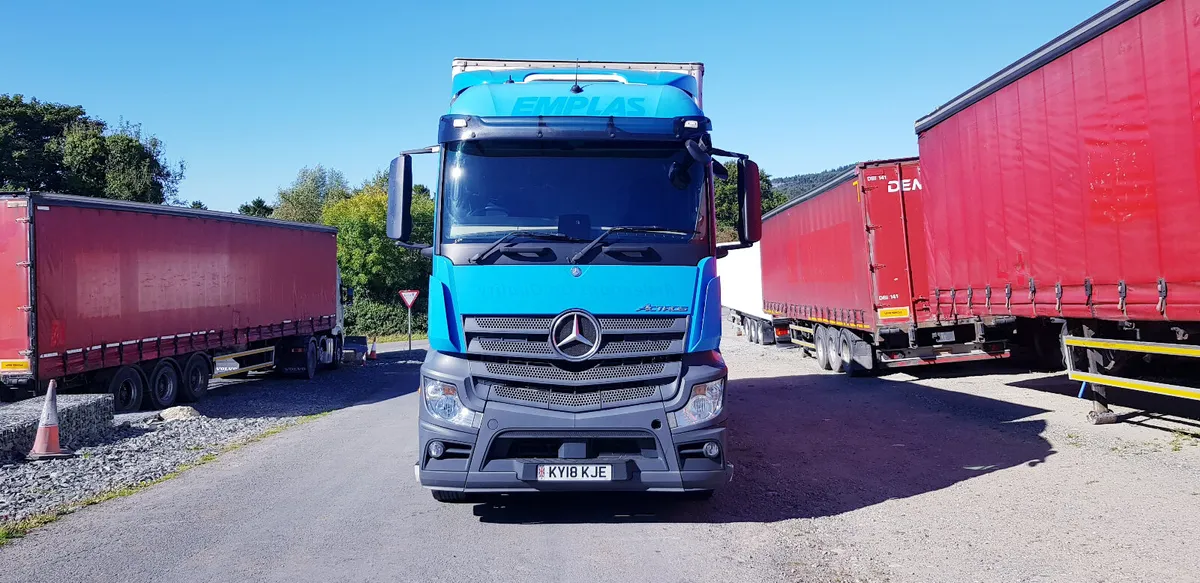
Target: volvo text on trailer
[
  {"x": 574, "y": 306},
  {"x": 1064, "y": 190},
  {"x": 846, "y": 264},
  {"x": 148, "y": 302}
]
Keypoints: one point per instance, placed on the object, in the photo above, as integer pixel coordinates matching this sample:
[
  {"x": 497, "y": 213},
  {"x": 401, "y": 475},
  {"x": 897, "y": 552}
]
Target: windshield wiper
[
  {"x": 576, "y": 257},
  {"x": 511, "y": 234}
]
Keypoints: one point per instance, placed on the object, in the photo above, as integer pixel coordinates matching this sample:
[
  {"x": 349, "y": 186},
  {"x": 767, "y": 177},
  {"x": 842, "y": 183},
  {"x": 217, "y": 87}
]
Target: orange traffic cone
[
  {"x": 45, "y": 445},
  {"x": 371, "y": 355}
]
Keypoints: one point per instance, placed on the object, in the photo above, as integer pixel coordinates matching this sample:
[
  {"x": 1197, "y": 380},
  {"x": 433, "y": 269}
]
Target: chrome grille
[
  {"x": 554, "y": 373},
  {"x": 573, "y": 399},
  {"x": 542, "y": 347},
  {"x": 542, "y": 323}
]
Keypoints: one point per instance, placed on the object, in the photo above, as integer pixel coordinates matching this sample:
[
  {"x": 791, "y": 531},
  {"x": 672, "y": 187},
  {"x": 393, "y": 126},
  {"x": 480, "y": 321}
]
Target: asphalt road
[{"x": 950, "y": 475}]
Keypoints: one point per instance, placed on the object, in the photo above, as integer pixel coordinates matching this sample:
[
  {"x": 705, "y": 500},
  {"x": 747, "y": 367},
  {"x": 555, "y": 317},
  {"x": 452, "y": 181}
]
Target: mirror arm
[{"x": 727, "y": 154}]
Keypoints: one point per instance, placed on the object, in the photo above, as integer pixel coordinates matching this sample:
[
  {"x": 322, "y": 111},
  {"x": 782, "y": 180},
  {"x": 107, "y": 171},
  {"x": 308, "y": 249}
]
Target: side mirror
[
  {"x": 399, "y": 210},
  {"x": 749, "y": 201}
]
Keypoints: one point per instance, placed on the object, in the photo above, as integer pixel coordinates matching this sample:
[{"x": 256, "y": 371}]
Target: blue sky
[{"x": 247, "y": 93}]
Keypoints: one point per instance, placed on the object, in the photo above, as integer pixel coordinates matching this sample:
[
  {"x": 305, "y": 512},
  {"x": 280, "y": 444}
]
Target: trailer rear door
[
  {"x": 884, "y": 187},
  {"x": 15, "y": 309}
]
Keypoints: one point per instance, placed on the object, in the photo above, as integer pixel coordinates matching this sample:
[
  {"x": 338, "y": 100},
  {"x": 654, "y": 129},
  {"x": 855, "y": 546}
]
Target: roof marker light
[{"x": 460, "y": 123}]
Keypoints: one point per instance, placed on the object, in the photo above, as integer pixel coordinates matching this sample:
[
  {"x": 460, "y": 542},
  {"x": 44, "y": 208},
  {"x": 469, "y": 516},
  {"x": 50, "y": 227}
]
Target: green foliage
[
  {"x": 55, "y": 147},
  {"x": 196, "y": 204},
  {"x": 256, "y": 208},
  {"x": 371, "y": 263},
  {"x": 376, "y": 318},
  {"x": 795, "y": 186},
  {"x": 727, "y": 203},
  {"x": 306, "y": 198}
]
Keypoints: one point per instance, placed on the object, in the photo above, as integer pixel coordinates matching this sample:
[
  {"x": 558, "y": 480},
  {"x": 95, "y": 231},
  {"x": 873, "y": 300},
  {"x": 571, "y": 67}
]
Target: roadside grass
[
  {"x": 18, "y": 529},
  {"x": 397, "y": 337}
]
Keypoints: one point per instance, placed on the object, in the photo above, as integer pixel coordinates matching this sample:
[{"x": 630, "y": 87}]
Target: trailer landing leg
[{"x": 1100, "y": 413}]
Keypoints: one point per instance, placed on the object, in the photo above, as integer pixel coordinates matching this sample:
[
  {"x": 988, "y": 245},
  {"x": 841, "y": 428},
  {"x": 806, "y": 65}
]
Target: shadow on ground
[
  {"x": 822, "y": 445},
  {"x": 394, "y": 374}
]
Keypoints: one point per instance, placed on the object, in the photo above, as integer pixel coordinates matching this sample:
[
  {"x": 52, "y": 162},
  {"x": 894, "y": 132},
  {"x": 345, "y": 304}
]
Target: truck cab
[{"x": 574, "y": 304}]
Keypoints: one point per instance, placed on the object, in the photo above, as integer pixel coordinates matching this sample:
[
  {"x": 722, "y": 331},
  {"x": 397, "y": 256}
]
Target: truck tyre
[
  {"x": 310, "y": 360},
  {"x": 449, "y": 497},
  {"x": 336, "y": 362},
  {"x": 822, "y": 347},
  {"x": 833, "y": 349},
  {"x": 162, "y": 388},
  {"x": 754, "y": 330},
  {"x": 855, "y": 343},
  {"x": 127, "y": 387},
  {"x": 193, "y": 385}
]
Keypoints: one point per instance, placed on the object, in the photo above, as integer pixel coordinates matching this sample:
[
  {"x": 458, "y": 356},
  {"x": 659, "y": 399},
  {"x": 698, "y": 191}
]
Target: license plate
[{"x": 574, "y": 473}]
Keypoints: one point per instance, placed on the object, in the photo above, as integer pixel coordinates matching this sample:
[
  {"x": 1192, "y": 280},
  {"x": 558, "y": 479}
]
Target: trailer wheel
[
  {"x": 852, "y": 343},
  {"x": 822, "y": 347},
  {"x": 833, "y": 350},
  {"x": 196, "y": 374},
  {"x": 753, "y": 331},
  {"x": 163, "y": 387},
  {"x": 127, "y": 387}
]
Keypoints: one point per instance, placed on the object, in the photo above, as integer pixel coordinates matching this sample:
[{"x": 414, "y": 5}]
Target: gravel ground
[
  {"x": 140, "y": 448},
  {"x": 963, "y": 473}
]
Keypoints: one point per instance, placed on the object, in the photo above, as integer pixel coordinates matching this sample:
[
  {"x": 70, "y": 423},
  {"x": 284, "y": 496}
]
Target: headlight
[
  {"x": 704, "y": 404},
  {"x": 441, "y": 400}
]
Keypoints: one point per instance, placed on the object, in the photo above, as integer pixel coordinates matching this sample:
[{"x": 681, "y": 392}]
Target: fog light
[
  {"x": 437, "y": 449},
  {"x": 712, "y": 450}
]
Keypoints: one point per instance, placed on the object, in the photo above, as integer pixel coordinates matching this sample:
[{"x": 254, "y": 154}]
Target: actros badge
[{"x": 662, "y": 309}]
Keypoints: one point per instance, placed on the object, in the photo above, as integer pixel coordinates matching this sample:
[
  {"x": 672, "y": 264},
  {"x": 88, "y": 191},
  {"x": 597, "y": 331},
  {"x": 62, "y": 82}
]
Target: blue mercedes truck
[{"x": 574, "y": 305}]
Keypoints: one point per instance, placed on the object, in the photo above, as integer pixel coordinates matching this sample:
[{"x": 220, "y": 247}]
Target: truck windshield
[{"x": 575, "y": 188}]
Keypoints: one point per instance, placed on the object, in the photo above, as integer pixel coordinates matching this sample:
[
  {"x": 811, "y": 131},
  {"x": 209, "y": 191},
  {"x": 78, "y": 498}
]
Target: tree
[
  {"x": 55, "y": 147},
  {"x": 256, "y": 208},
  {"x": 310, "y": 193},
  {"x": 371, "y": 263},
  {"x": 196, "y": 204},
  {"x": 727, "y": 203}
]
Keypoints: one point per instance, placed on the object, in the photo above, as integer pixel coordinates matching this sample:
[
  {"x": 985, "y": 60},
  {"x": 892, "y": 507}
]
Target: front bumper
[{"x": 665, "y": 461}]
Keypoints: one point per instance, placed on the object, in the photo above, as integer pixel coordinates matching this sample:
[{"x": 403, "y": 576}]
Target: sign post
[{"x": 410, "y": 297}]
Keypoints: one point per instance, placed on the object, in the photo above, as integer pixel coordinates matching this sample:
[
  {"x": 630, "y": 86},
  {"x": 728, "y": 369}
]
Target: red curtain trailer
[
  {"x": 126, "y": 297},
  {"x": 846, "y": 263},
  {"x": 1065, "y": 188}
]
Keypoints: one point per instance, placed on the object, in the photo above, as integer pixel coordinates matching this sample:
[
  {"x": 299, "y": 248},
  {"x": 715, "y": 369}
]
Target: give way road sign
[{"x": 409, "y": 296}]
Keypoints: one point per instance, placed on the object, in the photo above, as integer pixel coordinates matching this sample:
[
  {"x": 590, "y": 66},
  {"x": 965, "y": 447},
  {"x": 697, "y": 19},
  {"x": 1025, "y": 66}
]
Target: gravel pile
[{"x": 142, "y": 448}]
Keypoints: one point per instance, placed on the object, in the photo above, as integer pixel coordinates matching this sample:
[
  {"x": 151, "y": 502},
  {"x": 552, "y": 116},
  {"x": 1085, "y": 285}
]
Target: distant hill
[{"x": 794, "y": 186}]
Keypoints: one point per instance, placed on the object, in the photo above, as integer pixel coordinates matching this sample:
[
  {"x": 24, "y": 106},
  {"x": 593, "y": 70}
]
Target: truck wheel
[
  {"x": 753, "y": 331},
  {"x": 163, "y": 387},
  {"x": 822, "y": 347},
  {"x": 833, "y": 349},
  {"x": 449, "y": 496},
  {"x": 126, "y": 387},
  {"x": 310, "y": 359},
  {"x": 194, "y": 384},
  {"x": 336, "y": 362}
]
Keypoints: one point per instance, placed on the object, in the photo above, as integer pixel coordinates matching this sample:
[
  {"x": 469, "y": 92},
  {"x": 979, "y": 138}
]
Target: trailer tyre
[
  {"x": 162, "y": 390},
  {"x": 822, "y": 347},
  {"x": 833, "y": 350},
  {"x": 196, "y": 375},
  {"x": 127, "y": 387},
  {"x": 854, "y": 343}
]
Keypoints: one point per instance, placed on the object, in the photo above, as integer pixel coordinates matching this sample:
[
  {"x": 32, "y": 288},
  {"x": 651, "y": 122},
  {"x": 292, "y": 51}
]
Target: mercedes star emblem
[{"x": 575, "y": 335}]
